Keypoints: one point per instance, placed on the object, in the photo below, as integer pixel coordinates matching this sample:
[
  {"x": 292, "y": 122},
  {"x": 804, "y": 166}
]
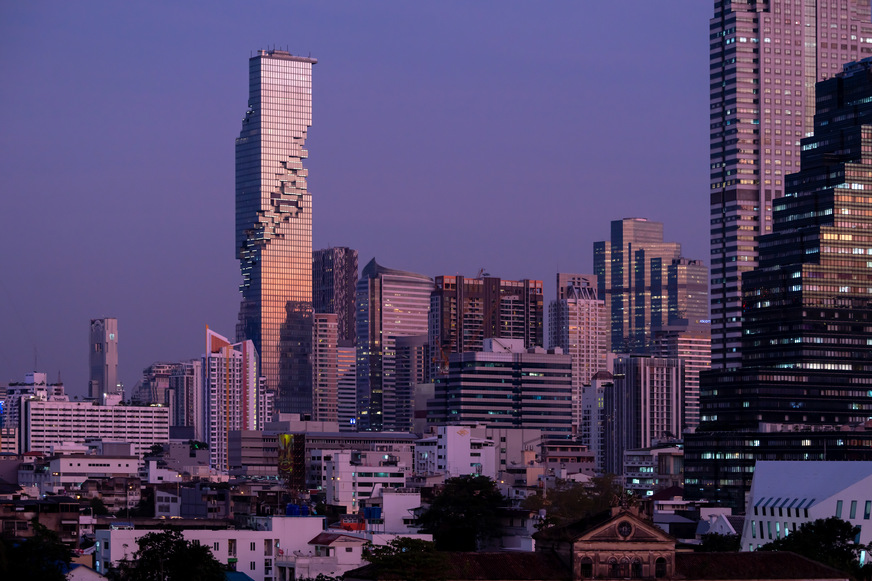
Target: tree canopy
[
  {"x": 464, "y": 513},
  {"x": 718, "y": 543},
  {"x": 407, "y": 558},
  {"x": 166, "y": 555},
  {"x": 42, "y": 557},
  {"x": 569, "y": 501},
  {"x": 829, "y": 541}
]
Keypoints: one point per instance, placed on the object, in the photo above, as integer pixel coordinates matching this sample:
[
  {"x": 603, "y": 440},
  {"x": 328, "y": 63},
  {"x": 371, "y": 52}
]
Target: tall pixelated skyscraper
[
  {"x": 274, "y": 224},
  {"x": 765, "y": 57},
  {"x": 103, "y": 358}
]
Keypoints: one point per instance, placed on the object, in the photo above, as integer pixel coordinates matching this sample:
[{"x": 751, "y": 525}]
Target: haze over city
[{"x": 446, "y": 137}]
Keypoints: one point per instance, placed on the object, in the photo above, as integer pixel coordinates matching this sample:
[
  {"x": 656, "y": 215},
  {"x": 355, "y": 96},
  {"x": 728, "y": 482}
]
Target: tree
[
  {"x": 829, "y": 541},
  {"x": 463, "y": 514},
  {"x": 166, "y": 555},
  {"x": 569, "y": 501},
  {"x": 98, "y": 507},
  {"x": 41, "y": 557},
  {"x": 406, "y": 558},
  {"x": 718, "y": 543}
]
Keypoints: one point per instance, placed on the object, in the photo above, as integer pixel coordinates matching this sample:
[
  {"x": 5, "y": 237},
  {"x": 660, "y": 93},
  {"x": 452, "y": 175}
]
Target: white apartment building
[
  {"x": 253, "y": 552},
  {"x": 236, "y": 396},
  {"x": 784, "y": 495},
  {"x": 348, "y": 480},
  {"x": 48, "y": 423},
  {"x": 67, "y": 473},
  {"x": 454, "y": 451}
]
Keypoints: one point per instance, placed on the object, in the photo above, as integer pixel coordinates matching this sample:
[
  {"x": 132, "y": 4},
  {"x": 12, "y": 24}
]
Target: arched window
[
  {"x": 660, "y": 568},
  {"x": 614, "y": 568},
  {"x": 625, "y": 567},
  {"x": 587, "y": 568},
  {"x": 636, "y": 571}
]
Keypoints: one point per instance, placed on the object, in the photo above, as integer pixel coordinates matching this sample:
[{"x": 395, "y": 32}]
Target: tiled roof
[
  {"x": 488, "y": 566},
  {"x": 329, "y": 538},
  {"x": 757, "y": 565}
]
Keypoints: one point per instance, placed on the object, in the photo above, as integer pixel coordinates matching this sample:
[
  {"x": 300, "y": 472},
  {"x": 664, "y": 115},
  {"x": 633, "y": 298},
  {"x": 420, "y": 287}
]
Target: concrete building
[
  {"x": 103, "y": 359},
  {"x": 466, "y": 311},
  {"x": 349, "y": 480},
  {"x": 649, "y": 470},
  {"x": 45, "y": 424},
  {"x": 507, "y": 386},
  {"x": 334, "y": 284},
  {"x": 644, "y": 406},
  {"x": 188, "y": 398},
  {"x": 692, "y": 344},
  {"x": 784, "y": 495},
  {"x": 390, "y": 304},
  {"x": 66, "y": 474},
  {"x": 578, "y": 324},
  {"x": 346, "y": 387},
  {"x": 253, "y": 552},
  {"x": 237, "y": 397},
  {"x": 762, "y": 104},
  {"x": 325, "y": 363},
  {"x": 453, "y": 451},
  {"x": 274, "y": 224},
  {"x": 595, "y": 417},
  {"x": 412, "y": 370}
]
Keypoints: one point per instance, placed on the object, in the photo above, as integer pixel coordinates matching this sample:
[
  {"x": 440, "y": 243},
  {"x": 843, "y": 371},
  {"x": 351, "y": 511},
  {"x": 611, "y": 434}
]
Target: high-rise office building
[
  {"x": 334, "y": 280},
  {"x": 644, "y": 406},
  {"x": 645, "y": 284},
  {"x": 804, "y": 390},
  {"x": 506, "y": 386},
  {"x": 103, "y": 358},
  {"x": 188, "y": 402},
  {"x": 324, "y": 367},
  {"x": 237, "y": 398},
  {"x": 692, "y": 344},
  {"x": 578, "y": 325},
  {"x": 765, "y": 57},
  {"x": 390, "y": 304},
  {"x": 466, "y": 311},
  {"x": 274, "y": 224},
  {"x": 346, "y": 387},
  {"x": 412, "y": 370}
]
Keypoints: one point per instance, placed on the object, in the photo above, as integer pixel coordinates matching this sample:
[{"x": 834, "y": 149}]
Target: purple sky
[{"x": 447, "y": 137}]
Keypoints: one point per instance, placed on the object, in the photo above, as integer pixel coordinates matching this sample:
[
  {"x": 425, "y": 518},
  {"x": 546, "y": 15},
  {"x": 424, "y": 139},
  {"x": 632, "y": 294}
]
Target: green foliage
[
  {"x": 98, "y": 507},
  {"x": 166, "y": 556},
  {"x": 464, "y": 513},
  {"x": 829, "y": 541},
  {"x": 405, "y": 558},
  {"x": 40, "y": 557},
  {"x": 569, "y": 501},
  {"x": 718, "y": 543}
]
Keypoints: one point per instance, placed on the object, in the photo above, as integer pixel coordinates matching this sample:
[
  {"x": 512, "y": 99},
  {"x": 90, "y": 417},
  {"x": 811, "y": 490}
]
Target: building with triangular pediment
[{"x": 616, "y": 544}]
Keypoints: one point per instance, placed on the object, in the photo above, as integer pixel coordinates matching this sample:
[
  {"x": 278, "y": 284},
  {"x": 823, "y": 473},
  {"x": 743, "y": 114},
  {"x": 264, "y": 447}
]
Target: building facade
[
  {"x": 237, "y": 397},
  {"x": 334, "y": 283},
  {"x": 507, "y": 386},
  {"x": 325, "y": 361},
  {"x": 390, "y": 304},
  {"x": 103, "y": 359},
  {"x": 765, "y": 57},
  {"x": 466, "y": 311},
  {"x": 578, "y": 325},
  {"x": 634, "y": 269},
  {"x": 644, "y": 406},
  {"x": 274, "y": 224},
  {"x": 806, "y": 376}
]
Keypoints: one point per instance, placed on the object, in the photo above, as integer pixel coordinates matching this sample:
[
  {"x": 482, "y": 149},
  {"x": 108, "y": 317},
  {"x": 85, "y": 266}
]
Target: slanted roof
[
  {"x": 488, "y": 566},
  {"x": 326, "y": 539},
  {"x": 756, "y": 565},
  {"x": 803, "y": 484}
]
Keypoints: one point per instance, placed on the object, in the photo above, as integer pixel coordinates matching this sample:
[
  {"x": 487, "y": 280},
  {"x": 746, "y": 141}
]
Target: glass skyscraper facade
[
  {"x": 765, "y": 57},
  {"x": 274, "y": 224},
  {"x": 804, "y": 390}
]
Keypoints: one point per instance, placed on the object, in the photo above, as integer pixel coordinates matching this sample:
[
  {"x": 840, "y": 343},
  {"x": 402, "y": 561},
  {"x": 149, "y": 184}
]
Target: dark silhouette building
[
  {"x": 334, "y": 280},
  {"x": 804, "y": 390}
]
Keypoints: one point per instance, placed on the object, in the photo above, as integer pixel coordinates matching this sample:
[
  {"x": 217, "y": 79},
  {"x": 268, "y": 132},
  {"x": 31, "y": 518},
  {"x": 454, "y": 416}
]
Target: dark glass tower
[
  {"x": 274, "y": 224},
  {"x": 804, "y": 391},
  {"x": 334, "y": 280}
]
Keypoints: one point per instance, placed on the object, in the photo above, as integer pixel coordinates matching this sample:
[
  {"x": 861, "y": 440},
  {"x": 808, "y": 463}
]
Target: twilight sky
[{"x": 447, "y": 137}]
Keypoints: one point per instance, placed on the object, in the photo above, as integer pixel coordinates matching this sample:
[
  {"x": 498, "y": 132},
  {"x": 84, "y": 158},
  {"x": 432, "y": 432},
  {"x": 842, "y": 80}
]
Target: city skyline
[{"x": 137, "y": 118}]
